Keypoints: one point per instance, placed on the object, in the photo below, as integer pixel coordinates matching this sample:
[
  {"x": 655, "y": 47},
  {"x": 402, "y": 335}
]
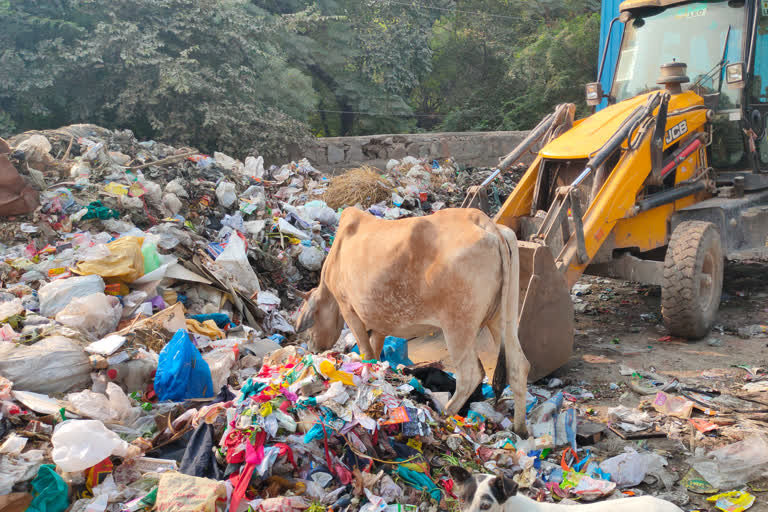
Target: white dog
[{"x": 499, "y": 494}]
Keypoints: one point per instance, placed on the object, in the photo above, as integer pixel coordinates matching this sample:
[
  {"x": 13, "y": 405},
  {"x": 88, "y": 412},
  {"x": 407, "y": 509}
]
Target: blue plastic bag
[
  {"x": 181, "y": 371},
  {"x": 395, "y": 351}
]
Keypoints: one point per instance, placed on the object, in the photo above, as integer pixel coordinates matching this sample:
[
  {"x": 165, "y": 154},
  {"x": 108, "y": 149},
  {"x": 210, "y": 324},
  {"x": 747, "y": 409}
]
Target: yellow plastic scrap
[
  {"x": 117, "y": 189},
  {"x": 415, "y": 444},
  {"x": 170, "y": 297},
  {"x": 734, "y": 501},
  {"x": 125, "y": 262},
  {"x": 136, "y": 189},
  {"x": 266, "y": 409},
  {"x": 330, "y": 372},
  {"x": 207, "y": 328}
]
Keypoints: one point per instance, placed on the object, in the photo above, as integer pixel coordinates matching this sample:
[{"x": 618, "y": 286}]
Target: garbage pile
[{"x": 148, "y": 360}]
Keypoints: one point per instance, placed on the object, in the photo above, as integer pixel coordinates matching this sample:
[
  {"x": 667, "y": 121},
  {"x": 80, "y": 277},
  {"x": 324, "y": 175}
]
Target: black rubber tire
[{"x": 693, "y": 279}]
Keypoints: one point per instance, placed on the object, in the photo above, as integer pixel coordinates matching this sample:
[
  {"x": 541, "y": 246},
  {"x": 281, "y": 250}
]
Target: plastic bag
[
  {"x": 53, "y": 365},
  {"x": 673, "y": 405},
  {"x": 10, "y": 308},
  {"x": 734, "y": 501},
  {"x": 320, "y": 212},
  {"x": 487, "y": 410},
  {"x": 220, "y": 362},
  {"x": 182, "y": 493},
  {"x": 113, "y": 408},
  {"x": 13, "y": 445},
  {"x": 177, "y": 187},
  {"x": 50, "y": 491},
  {"x": 5, "y": 388},
  {"x": 287, "y": 228},
  {"x": 18, "y": 469},
  {"x": 151, "y": 257},
  {"x": 226, "y": 194},
  {"x": 173, "y": 203},
  {"x": 56, "y": 295},
  {"x": 311, "y": 258},
  {"x": 37, "y": 151},
  {"x": 735, "y": 464},
  {"x": 234, "y": 260},
  {"x": 226, "y": 162},
  {"x": 134, "y": 374},
  {"x": 283, "y": 504},
  {"x": 182, "y": 372},
  {"x": 80, "y": 444},
  {"x": 629, "y": 468},
  {"x": 395, "y": 352},
  {"x": 125, "y": 262},
  {"x": 199, "y": 459},
  {"x": 254, "y": 167},
  {"x": 95, "y": 315}
]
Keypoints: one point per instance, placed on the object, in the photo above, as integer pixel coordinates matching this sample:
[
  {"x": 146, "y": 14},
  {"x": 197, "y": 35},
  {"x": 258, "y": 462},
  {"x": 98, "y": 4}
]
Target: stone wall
[{"x": 480, "y": 149}]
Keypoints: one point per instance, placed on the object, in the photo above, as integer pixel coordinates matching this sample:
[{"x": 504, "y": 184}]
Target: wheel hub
[{"x": 706, "y": 280}]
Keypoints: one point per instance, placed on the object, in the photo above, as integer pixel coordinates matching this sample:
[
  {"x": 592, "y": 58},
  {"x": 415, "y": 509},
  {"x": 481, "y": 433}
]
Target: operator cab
[{"x": 725, "y": 47}]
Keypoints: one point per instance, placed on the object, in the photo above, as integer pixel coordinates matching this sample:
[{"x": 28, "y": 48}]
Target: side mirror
[
  {"x": 734, "y": 75},
  {"x": 594, "y": 94}
]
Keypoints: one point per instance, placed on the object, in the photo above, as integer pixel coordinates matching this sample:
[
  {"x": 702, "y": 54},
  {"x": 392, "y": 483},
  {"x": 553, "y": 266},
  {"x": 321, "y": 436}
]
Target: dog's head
[{"x": 481, "y": 492}]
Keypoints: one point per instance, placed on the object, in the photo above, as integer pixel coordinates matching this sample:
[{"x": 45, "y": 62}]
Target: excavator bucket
[{"x": 546, "y": 312}]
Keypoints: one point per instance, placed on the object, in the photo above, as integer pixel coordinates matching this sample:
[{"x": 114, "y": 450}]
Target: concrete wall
[{"x": 480, "y": 149}]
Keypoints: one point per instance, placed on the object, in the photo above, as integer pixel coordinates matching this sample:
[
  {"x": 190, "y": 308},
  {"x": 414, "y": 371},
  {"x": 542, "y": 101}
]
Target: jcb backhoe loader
[{"x": 662, "y": 185}]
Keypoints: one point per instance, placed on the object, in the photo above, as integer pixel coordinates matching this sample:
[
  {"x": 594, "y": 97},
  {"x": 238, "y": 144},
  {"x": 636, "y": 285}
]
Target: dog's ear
[
  {"x": 460, "y": 475},
  {"x": 502, "y": 488}
]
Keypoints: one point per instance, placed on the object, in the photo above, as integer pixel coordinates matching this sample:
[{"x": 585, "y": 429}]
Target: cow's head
[
  {"x": 320, "y": 315},
  {"x": 481, "y": 492}
]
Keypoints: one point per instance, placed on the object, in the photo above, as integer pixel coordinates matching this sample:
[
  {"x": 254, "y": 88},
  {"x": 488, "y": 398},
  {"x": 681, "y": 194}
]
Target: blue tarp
[{"x": 609, "y": 10}]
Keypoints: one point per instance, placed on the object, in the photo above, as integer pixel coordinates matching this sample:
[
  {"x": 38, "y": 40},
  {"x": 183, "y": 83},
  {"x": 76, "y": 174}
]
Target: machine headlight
[
  {"x": 594, "y": 93},
  {"x": 734, "y": 75}
]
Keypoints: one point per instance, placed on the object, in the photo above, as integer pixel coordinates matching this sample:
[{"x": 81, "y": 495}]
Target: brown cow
[{"x": 455, "y": 270}]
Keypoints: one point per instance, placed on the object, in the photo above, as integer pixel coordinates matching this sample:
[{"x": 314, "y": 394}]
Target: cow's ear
[
  {"x": 459, "y": 475},
  {"x": 306, "y": 317},
  {"x": 502, "y": 488}
]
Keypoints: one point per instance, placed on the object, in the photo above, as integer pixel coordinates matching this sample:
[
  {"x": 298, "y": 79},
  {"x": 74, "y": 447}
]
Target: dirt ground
[{"x": 619, "y": 323}]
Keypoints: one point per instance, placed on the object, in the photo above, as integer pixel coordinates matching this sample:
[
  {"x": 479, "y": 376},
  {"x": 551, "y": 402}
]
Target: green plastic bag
[
  {"x": 50, "y": 492},
  {"x": 151, "y": 258}
]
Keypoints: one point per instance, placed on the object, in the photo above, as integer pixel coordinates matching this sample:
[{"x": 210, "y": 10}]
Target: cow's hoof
[{"x": 521, "y": 430}]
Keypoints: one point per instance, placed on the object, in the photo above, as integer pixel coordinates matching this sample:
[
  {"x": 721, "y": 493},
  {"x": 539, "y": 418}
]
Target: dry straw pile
[{"x": 364, "y": 186}]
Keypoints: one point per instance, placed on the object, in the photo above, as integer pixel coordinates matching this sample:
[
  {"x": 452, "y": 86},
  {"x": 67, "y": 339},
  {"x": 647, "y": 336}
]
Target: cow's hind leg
[
  {"x": 517, "y": 367},
  {"x": 358, "y": 329},
  {"x": 517, "y": 377},
  {"x": 462, "y": 349}
]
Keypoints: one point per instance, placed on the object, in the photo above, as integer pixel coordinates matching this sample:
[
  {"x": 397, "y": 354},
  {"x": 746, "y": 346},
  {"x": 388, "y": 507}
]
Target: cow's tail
[{"x": 510, "y": 267}]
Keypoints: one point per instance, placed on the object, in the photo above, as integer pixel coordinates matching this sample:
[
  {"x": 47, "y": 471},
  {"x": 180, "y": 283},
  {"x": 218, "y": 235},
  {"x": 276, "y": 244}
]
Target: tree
[
  {"x": 366, "y": 59},
  {"x": 553, "y": 69},
  {"x": 201, "y": 72},
  {"x": 262, "y": 75}
]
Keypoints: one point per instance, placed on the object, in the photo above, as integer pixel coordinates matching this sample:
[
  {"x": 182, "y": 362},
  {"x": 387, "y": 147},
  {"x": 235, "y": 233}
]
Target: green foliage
[
  {"x": 189, "y": 71},
  {"x": 519, "y": 66},
  {"x": 554, "y": 69},
  {"x": 263, "y": 75}
]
